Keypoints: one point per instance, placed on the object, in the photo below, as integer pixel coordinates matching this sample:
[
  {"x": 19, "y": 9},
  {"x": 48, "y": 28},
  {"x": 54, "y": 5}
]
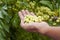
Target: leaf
[
  {"x": 47, "y": 3},
  {"x": 3, "y": 30},
  {"x": 15, "y": 20},
  {"x": 59, "y": 11},
  {"x": 4, "y": 23},
  {"x": 58, "y": 1},
  {"x": 4, "y": 7},
  {"x": 1, "y": 16},
  {"x": 3, "y": 12},
  {"x": 4, "y": 26}
]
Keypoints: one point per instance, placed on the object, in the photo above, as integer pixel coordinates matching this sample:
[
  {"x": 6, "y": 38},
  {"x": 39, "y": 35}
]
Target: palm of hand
[{"x": 32, "y": 27}]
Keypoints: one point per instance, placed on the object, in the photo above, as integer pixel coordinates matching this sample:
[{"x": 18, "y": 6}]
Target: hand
[{"x": 32, "y": 27}]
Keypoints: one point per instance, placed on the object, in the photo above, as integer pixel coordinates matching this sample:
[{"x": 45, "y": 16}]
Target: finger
[
  {"x": 22, "y": 22},
  {"x": 27, "y": 12},
  {"x": 23, "y": 13},
  {"x": 32, "y": 14},
  {"x": 21, "y": 16}
]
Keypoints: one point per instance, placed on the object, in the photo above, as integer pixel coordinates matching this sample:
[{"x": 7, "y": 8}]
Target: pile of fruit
[
  {"x": 43, "y": 14},
  {"x": 30, "y": 18}
]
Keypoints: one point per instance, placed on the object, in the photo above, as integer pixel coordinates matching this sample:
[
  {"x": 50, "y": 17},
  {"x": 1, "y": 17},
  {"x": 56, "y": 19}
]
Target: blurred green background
[{"x": 10, "y": 23}]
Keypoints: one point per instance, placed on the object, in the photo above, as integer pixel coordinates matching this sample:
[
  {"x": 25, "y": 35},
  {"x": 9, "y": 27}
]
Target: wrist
[
  {"x": 44, "y": 30},
  {"x": 48, "y": 29}
]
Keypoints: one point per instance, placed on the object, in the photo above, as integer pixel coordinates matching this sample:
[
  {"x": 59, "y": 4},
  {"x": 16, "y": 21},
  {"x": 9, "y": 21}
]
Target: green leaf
[
  {"x": 4, "y": 26},
  {"x": 1, "y": 16},
  {"x": 3, "y": 30},
  {"x": 4, "y": 7},
  {"x": 15, "y": 20},
  {"x": 58, "y": 1},
  {"x": 47, "y": 3}
]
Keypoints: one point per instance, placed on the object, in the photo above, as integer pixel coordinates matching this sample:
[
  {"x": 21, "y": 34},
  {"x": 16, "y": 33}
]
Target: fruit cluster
[
  {"x": 30, "y": 19},
  {"x": 49, "y": 15},
  {"x": 43, "y": 14},
  {"x": 44, "y": 10}
]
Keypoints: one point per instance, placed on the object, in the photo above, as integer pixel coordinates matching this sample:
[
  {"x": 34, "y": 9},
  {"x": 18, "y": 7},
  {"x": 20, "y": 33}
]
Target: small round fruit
[
  {"x": 54, "y": 24},
  {"x": 26, "y": 20},
  {"x": 46, "y": 17},
  {"x": 57, "y": 20}
]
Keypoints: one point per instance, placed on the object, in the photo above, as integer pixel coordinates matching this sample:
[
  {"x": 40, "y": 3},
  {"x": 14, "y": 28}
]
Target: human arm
[
  {"x": 41, "y": 27},
  {"x": 53, "y": 32}
]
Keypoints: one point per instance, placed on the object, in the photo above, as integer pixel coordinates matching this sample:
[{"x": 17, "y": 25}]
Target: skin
[{"x": 42, "y": 27}]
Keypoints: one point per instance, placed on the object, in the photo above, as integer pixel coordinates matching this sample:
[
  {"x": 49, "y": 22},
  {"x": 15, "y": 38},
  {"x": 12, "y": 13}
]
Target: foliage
[{"x": 10, "y": 23}]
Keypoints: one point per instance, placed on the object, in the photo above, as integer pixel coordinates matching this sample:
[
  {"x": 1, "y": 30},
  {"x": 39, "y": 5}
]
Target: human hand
[{"x": 42, "y": 27}]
